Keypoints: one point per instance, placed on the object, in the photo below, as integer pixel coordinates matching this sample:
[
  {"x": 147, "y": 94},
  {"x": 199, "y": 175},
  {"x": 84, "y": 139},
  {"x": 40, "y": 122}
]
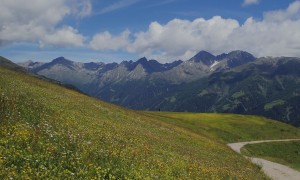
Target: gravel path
[{"x": 273, "y": 170}]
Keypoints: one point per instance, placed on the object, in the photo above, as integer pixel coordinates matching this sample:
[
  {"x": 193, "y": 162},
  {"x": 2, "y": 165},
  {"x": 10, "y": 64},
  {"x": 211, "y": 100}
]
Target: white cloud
[
  {"x": 277, "y": 34},
  {"x": 36, "y": 21},
  {"x": 118, "y": 5},
  {"x": 105, "y": 41},
  {"x": 64, "y": 37},
  {"x": 291, "y": 13},
  {"x": 180, "y": 38},
  {"x": 250, "y": 2}
]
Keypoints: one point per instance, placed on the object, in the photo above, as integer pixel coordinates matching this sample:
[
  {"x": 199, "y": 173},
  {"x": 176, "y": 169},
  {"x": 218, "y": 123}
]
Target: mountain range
[
  {"x": 50, "y": 132},
  {"x": 236, "y": 82}
]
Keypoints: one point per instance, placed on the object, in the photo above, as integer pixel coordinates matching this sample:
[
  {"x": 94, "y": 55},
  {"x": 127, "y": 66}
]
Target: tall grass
[{"x": 49, "y": 132}]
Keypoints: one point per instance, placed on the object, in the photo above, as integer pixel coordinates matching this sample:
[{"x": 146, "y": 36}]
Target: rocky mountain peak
[
  {"x": 237, "y": 58},
  {"x": 142, "y": 60},
  {"x": 240, "y": 54},
  {"x": 150, "y": 65},
  {"x": 93, "y": 66},
  {"x": 204, "y": 57},
  {"x": 61, "y": 60}
]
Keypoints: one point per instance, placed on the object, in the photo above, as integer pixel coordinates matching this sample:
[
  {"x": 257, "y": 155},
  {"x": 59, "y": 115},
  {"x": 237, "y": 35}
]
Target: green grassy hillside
[
  {"x": 228, "y": 127},
  {"x": 10, "y": 65},
  {"x": 48, "y": 131},
  {"x": 287, "y": 153}
]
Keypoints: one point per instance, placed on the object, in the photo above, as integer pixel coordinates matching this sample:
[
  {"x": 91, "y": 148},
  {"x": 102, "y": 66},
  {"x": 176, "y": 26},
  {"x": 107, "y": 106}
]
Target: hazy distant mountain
[
  {"x": 30, "y": 64},
  {"x": 79, "y": 74},
  {"x": 236, "y": 82},
  {"x": 97, "y": 75}
]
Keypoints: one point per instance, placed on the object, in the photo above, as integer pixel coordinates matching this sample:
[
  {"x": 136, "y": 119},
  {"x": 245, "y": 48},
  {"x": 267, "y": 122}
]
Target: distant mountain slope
[
  {"x": 94, "y": 78},
  {"x": 268, "y": 87},
  {"x": 50, "y": 132},
  {"x": 236, "y": 82},
  {"x": 10, "y": 65},
  {"x": 100, "y": 74}
]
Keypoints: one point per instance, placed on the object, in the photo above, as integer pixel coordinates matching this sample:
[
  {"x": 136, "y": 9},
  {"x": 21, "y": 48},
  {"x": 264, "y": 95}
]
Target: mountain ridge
[
  {"x": 202, "y": 57},
  {"x": 204, "y": 83}
]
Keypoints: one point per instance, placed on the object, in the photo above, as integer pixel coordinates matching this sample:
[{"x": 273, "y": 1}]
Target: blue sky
[{"x": 166, "y": 30}]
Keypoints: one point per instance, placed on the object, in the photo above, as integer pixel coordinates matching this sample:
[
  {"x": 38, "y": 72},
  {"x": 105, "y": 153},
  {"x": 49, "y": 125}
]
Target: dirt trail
[{"x": 273, "y": 170}]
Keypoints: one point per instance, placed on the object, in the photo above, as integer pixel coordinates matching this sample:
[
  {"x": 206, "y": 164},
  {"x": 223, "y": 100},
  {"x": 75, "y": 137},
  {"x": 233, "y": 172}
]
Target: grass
[
  {"x": 229, "y": 128},
  {"x": 238, "y": 94},
  {"x": 50, "y": 132},
  {"x": 287, "y": 153},
  {"x": 270, "y": 105}
]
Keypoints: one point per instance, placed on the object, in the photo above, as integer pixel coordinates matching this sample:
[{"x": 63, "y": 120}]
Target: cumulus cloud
[
  {"x": 292, "y": 13},
  {"x": 180, "y": 38},
  {"x": 276, "y": 34},
  {"x": 105, "y": 41},
  {"x": 250, "y": 2},
  {"x": 37, "y": 21},
  {"x": 64, "y": 37}
]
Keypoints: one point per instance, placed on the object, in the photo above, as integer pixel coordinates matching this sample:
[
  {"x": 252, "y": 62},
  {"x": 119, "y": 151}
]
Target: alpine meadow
[
  {"x": 160, "y": 89},
  {"x": 48, "y": 130}
]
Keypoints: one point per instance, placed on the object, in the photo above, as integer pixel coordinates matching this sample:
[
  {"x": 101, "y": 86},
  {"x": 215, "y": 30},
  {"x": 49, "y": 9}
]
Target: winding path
[{"x": 273, "y": 170}]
